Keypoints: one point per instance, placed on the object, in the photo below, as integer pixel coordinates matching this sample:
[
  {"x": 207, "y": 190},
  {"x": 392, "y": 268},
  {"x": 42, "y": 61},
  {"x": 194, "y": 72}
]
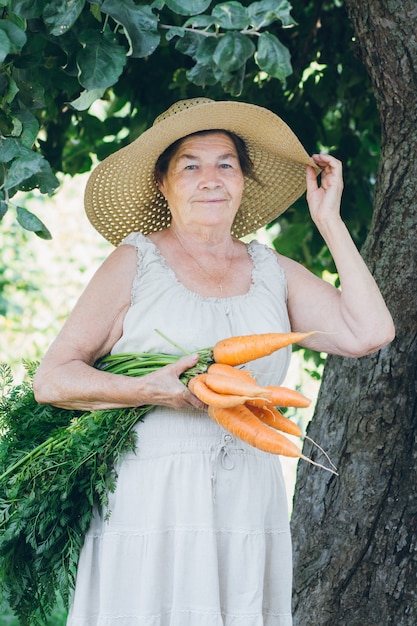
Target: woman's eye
[{"x": 225, "y": 166}]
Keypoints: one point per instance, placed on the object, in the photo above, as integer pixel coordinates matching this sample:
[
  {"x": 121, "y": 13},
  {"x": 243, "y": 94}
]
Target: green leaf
[
  {"x": 17, "y": 126},
  {"x": 61, "y": 15},
  {"x": 273, "y": 57},
  {"x": 205, "y": 51},
  {"x": 232, "y": 51},
  {"x": 16, "y": 36},
  {"x": 201, "y": 75},
  {"x": 189, "y": 44},
  {"x": 266, "y": 12},
  {"x": 175, "y": 31},
  {"x": 3, "y": 209},
  {"x": 19, "y": 21},
  {"x": 139, "y": 23},
  {"x": 22, "y": 168},
  {"x": 30, "y": 170},
  {"x": 10, "y": 148},
  {"x": 44, "y": 179},
  {"x": 5, "y": 45},
  {"x": 231, "y": 15},
  {"x": 31, "y": 91},
  {"x": 86, "y": 99},
  {"x": 28, "y": 9},
  {"x": 30, "y": 127},
  {"x": 188, "y": 7},
  {"x": 29, "y": 221},
  {"x": 101, "y": 60},
  {"x": 232, "y": 83},
  {"x": 12, "y": 90},
  {"x": 199, "y": 21}
]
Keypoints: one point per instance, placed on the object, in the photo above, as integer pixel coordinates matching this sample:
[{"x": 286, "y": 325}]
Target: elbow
[
  {"x": 39, "y": 391},
  {"x": 42, "y": 389},
  {"x": 381, "y": 336}
]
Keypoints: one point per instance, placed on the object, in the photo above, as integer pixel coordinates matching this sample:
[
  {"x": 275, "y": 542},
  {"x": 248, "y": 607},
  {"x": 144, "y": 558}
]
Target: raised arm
[
  {"x": 355, "y": 317},
  {"x": 66, "y": 376}
]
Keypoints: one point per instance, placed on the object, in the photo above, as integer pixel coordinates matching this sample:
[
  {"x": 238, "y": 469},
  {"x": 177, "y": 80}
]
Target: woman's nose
[{"x": 210, "y": 177}]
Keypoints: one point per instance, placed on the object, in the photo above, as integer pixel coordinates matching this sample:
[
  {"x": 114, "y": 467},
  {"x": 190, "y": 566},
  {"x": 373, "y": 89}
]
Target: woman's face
[{"x": 204, "y": 182}]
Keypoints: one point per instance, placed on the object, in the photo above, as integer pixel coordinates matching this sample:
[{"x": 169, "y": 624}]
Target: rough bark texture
[{"x": 355, "y": 556}]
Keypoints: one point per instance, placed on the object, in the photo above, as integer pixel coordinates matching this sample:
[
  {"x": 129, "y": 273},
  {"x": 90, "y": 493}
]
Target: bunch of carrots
[
  {"x": 56, "y": 463},
  {"x": 245, "y": 409}
]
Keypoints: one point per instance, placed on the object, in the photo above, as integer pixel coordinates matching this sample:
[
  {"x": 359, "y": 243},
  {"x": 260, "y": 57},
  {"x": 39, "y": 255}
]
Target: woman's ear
[{"x": 161, "y": 186}]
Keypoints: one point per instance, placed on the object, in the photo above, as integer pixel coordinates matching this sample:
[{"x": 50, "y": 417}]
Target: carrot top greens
[{"x": 55, "y": 464}]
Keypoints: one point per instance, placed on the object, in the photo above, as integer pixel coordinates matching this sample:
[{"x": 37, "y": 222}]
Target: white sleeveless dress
[{"x": 198, "y": 533}]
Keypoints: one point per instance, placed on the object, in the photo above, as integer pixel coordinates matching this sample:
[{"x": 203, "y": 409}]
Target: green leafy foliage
[
  {"x": 60, "y": 16},
  {"x": 273, "y": 57},
  {"x": 56, "y": 465},
  {"x": 59, "y": 57},
  {"x": 100, "y": 61},
  {"x": 188, "y": 7},
  {"x": 139, "y": 22}
]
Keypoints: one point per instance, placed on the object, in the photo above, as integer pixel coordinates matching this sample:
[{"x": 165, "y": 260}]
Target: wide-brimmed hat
[{"x": 122, "y": 195}]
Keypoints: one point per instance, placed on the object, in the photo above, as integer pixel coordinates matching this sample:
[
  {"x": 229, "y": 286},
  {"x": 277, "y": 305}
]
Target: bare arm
[
  {"x": 66, "y": 376},
  {"x": 355, "y": 316}
]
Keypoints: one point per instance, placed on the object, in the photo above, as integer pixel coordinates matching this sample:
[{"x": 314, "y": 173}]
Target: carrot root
[
  {"x": 243, "y": 424},
  {"x": 229, "y": 370},
  {"x": 328, "y": 469},
  {"x": 323, "y": 452},
  {"x": 285, "y": 397},
  {"x": 275, "y": 419},
  {"x": 241, "y": 349},
  {"x": 222, "y": 383},
  {"x": 198, "y": 387}
]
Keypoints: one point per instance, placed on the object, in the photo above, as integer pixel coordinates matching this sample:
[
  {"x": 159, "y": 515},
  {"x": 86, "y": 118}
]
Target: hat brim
[{"x": 122, "y": 196}]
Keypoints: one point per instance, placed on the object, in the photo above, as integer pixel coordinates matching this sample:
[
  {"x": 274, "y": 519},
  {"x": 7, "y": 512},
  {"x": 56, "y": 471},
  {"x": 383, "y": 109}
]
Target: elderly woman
[{"x": 198, "y": 532}]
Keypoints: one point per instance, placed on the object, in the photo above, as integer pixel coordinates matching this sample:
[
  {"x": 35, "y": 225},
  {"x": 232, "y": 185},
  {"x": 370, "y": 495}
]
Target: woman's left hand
[{"x": 324, "y": 199}]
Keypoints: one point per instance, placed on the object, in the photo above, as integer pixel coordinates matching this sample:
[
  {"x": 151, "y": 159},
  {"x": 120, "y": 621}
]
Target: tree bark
[{"x": 355, "y": 556}]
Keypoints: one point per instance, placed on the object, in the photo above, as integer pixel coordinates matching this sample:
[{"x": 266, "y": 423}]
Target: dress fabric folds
[{"x": 198, "y": 530}]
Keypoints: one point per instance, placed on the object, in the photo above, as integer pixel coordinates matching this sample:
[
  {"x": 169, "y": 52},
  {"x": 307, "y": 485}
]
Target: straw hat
[{"x": 122, "y": 195}]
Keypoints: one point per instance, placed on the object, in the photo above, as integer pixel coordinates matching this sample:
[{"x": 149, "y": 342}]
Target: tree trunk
[{"x": 355, "y": 556}]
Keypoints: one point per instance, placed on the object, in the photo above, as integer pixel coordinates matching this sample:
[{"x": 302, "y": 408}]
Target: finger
[
  {"x": 185, "y": 362},
  {"x": 192, "y": 400},
  {"x": 327, "y": 161},
  {"x": 311, "y": 178}
]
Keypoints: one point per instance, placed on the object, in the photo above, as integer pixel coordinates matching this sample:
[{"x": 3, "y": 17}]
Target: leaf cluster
[{"x": 59, "y": 57}]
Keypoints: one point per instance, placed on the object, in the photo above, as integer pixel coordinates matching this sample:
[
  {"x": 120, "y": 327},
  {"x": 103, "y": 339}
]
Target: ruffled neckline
[{"x": 254, "y": 250}]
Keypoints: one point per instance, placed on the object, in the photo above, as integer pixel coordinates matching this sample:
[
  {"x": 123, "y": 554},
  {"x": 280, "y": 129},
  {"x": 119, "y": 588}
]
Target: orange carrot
[
  {"x": 229, "y": 370},
  {"x": 241, "y": 349},
  {"x": 198, "y": 387},
  {"x": 283, "y": 396},
  {"x": 234, "y": 385},
  {"x": 275, "y": 419},
  {"x": 243, "y": 424}
]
